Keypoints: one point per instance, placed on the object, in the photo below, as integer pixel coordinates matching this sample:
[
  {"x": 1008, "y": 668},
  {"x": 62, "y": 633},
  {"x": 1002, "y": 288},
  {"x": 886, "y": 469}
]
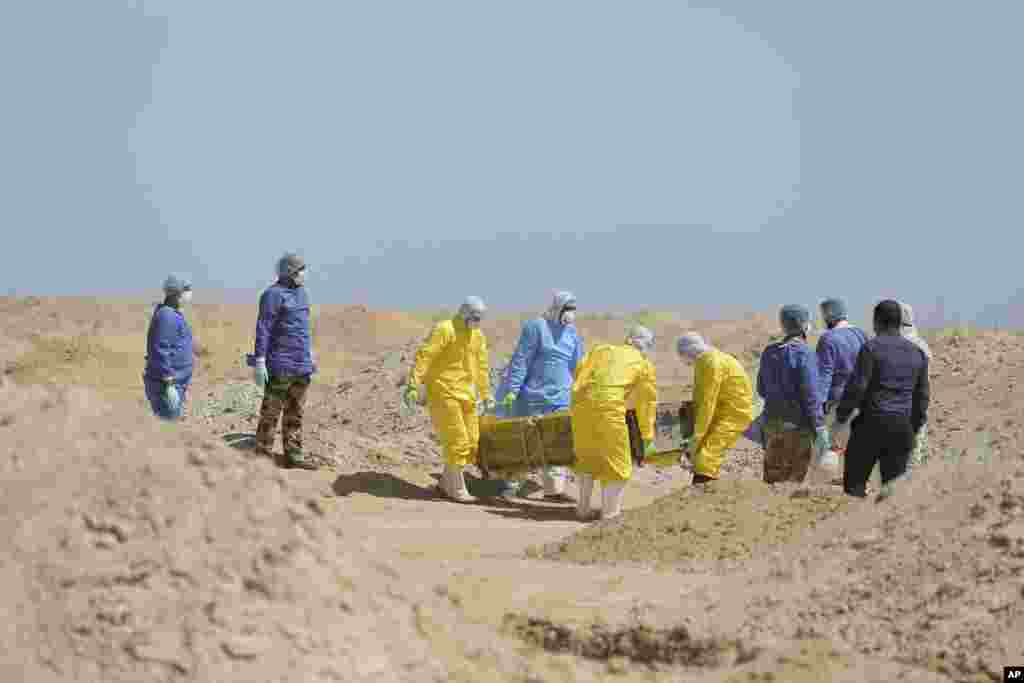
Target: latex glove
[
  {"x": 411, "y": 396},
  {"x": 509, "y": 399},
  {"x": 822, "y": 440},
  {"x": 259, "y": 373},
  {"x": 650, "y": 449},
  {"x": 172, "y": 396},
  {"x": 841, "y": 431}
]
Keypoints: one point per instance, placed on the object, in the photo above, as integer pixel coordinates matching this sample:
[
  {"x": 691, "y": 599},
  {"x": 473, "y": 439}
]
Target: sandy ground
[{"x": 147, "y": 552}]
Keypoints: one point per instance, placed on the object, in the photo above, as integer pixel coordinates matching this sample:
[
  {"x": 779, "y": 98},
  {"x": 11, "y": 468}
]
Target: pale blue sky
[{"x": 642, "y": 154}]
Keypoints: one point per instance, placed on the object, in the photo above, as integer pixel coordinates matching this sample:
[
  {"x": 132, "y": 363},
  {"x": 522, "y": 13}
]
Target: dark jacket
[
  {"x": 169, "y": 346},
  {"x": 891, "y": 378},
  {"x": 282, "y": 330},
  {"x": 837, "y": 357},
  {"x": 788, "y": 381}
]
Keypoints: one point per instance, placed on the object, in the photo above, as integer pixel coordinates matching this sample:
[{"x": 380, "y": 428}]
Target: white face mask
[
  {"x": 186, "y": 297},
  {"x": 569, "y": 317},
  {"x": 299, "y": 278}
]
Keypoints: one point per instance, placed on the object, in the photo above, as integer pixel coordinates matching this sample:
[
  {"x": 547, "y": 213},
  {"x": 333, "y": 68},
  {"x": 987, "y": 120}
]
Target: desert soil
[{"x": 140, "y": 551}]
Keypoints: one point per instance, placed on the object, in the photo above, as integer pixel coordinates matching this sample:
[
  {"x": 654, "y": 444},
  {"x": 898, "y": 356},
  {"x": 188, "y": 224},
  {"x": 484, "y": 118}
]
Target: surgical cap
[
  {"x": 175, "y": 285},
  {"x": 472, "y": 306},
  {"x": 558, "y": 304},
  {"x": 691, "y": 345},
  {"x": 289, "y": 264},
  {"x": 833, "y": 310},
  {"x": 641, "y": 337},
  {"x": 794, "y": 318}
]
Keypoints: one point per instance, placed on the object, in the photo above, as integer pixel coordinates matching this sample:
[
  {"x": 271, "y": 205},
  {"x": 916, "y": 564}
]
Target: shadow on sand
[
  {"x": 243, "y": 441},
  {"x": 382, "y": 485},
  {"x": 486, "y": 491},
  {"x": 537, "y": 512}
]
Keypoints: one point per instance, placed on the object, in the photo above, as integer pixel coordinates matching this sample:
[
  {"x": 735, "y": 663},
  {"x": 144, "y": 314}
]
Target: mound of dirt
[
  {"x": 134, "y": 551},
  {"x": 933, "y": 577},
  {"x": 725, "y": 520}
]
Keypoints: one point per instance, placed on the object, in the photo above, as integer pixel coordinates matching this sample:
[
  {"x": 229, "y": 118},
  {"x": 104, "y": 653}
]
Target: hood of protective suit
[
  {"x": 909, "y": 331},
  {"x": 558, "y": 304},
  {"x": 640, "y": 338}
]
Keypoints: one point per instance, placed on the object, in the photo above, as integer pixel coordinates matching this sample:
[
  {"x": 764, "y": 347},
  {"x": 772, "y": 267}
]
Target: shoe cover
[
  {"x": 586, "y": 493},
  {"x": 458, "y": 484},
  {"x": 554, "y": 481},
  {"x": 612, "y": 494}
]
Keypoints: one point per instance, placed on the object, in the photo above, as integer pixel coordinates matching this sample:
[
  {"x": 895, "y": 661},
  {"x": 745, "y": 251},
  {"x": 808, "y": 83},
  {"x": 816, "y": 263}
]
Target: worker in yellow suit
[
  {"x": 453, "y": 365},
  {"x": 723, "y": 401},
  {"x": 610, "y": 379}
]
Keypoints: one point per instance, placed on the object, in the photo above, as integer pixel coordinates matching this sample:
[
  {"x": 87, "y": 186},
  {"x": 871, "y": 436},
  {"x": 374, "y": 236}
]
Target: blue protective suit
[
  {"x": 788, "y": 382},
  {"x": 837, "y": 357},
  {"x": 169, "y": 346},
  {"x": 542, "y": 367},
  {"x": 282, "y": 330}
]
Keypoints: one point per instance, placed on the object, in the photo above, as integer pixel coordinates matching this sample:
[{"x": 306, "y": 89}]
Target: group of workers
[
  {"x": 865, "y": 397},
  {"x": 810, "y": 398},
  {"x": 283, "y": 362}
]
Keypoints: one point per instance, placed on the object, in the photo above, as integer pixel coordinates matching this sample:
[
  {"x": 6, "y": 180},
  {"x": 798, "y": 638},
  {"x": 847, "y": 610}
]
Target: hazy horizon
[{"x": 712, "y": 155}]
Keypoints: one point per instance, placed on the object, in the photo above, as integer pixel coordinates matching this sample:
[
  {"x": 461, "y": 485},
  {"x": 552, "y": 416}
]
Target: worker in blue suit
[
  {"x": 539, "y": 378},
  {"x": 168, "y": 372}
]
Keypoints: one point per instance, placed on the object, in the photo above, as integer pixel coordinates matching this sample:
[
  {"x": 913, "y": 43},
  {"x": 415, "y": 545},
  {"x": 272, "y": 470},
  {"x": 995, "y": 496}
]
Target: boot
[
  {"x": 454, "y": 485},
  {"x": 509, "y": 490},
  {"x": 612, "y": 494},
  {"x": 583, "y": 511},
  {"x": 554, "y": 486},
  {"x": 297, "y": 461}
]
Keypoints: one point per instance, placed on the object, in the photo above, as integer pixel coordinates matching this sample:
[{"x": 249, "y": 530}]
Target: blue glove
[
  {"x": 822, "y": 440},
  {"x": 172, "y": 396},
  {"x": 260, "y": 374}
]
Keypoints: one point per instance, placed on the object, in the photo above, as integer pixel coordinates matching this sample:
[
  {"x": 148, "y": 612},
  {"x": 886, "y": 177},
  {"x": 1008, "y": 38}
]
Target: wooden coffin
[{"x": 512, "y": 446}]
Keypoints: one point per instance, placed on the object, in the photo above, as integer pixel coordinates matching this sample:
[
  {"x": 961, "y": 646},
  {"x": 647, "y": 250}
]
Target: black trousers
[{"x": 885, "y": 439}]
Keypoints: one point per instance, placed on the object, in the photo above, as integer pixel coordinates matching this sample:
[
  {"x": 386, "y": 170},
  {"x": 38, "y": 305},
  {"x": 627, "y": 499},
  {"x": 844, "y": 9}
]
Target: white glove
[
  {"x": 841, "y": 432},
  {"x": 260, "y": 374}
]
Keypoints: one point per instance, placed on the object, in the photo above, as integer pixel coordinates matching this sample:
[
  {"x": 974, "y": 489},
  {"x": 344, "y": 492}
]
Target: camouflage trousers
[
  {"x": 787, "y": 453},
  {"x": 283, "y": 394}
]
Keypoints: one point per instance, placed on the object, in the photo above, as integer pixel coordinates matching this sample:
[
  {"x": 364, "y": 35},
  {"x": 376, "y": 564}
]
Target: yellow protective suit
[
  {"x": 610, "y": 379},
  {"x": 723, "y": 401},
  {"x": 454, "y": 366}
]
